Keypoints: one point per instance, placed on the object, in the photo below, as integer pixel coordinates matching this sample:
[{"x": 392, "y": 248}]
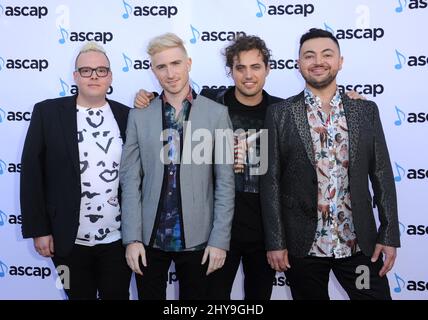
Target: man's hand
[
  {"x": 134, "y": 251},
  {"x": 44, "y": 245},
  {"x": 278, "y": 260},
  {"x": 143, "y": 98},
  {"x": 216, "y": 258},
  {"x": 390, "y": 255},
  {"x": 355, "y": 95}
]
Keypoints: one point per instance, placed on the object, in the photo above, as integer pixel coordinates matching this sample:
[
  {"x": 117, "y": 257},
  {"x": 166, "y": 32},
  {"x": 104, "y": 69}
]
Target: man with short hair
[
  {"x": 177, "y": 181},
  {"x": 70, "y": 182},
  {"x": 323, "y": 147}
]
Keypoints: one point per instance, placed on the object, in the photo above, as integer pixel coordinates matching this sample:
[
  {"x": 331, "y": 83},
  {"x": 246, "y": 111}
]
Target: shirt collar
[
  {"x": 190, "y": 96},
  {"x": 314, "y": 102}
]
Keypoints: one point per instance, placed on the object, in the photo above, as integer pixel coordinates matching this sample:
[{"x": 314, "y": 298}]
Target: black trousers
[
  {"x": 191, "y": 275},
  {"x": 98, "y": 269},
  {"x": 258, "y": 275},
  {"x": 309, "y": 277}
]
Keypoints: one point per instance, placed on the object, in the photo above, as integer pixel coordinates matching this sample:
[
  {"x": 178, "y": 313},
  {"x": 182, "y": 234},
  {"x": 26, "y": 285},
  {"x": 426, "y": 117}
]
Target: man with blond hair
[
  {"x": 70, "y": 182},
  {"x": 177, "y": 180}
]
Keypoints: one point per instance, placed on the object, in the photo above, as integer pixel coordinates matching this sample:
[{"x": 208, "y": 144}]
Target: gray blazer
[{"x": 207, "y": 189}]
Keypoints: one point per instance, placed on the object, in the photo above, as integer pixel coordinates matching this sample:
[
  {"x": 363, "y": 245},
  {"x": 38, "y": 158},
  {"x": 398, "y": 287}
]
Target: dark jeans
[
  {"x": 309, "y": 277},
  {"x": 101, "y": 268},
  {"x": 258, "y": 275},
  {"x": 190, "y": 273}
]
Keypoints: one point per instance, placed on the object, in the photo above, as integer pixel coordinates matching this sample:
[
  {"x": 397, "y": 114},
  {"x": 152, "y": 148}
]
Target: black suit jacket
[
  {"x": 289, "y": 189},
  {"x": 50, "y": 172}
]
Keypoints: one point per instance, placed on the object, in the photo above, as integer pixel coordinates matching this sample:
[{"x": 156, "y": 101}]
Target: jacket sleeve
[
  {"x": 382, "y": 179},
  {"x": 270, "y": 187},
  {"x": 224, "y": 185},
  {"x": 35, "y": 220},
  {"x": 131, "y": 175}
]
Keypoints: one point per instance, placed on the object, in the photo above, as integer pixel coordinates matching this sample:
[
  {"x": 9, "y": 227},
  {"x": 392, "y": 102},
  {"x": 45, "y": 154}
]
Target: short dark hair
[
  {"x": 317, "y": 33},
  {"x": 246, "y": 43}
]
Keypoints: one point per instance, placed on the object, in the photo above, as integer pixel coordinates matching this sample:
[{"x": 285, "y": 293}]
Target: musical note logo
[
  {"x": 195, "y": 34},
  {"x": 2, "y": 167},
  {"x": 262, "y": 9},
  {"x": 402, "y": 228},
  {"x": 2, "y": 115},
  {"x": 128, "y": 9},
  {"x": 64, "y": 86},
  {"x": 3, "y": 218},
  {"x": 2, "y": 63},
  {"x": 195, "y": 86},
  {"x": 3, "y": 269},
  {"x": 401, "y": 172},
  {"x": 1, "y": 9},
  {"x": 401, "y": 116},
  {"x": 400, "y": 283},
  {"x": 128, "y": 62},
  {"x": 328, "y": 28},
  {"x": 401, "y": 6},
  {"x": 401, "y": 60},
  {"x": 64, "y": 35}
]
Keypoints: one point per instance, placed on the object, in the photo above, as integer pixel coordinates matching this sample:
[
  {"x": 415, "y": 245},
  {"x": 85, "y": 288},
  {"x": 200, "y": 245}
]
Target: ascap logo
[
  {"x": 281, "y": 281},
  {"x": 11, "y": 218},
  {"x": 282, "y": 64},
  {"x": 134, "y": 64},
  {"x": 145, "y": 11},
  {"x": 342, "y": 34},
  {"x": 24, "y": 271},
  {"x": 72, "y": 89},
  {"x": 81, "y": 36},
  {"x": 24, "y": 11},
  {"x": 366, "y": 89},
  {"x": 411, "y": 285},
  {"x": 216, "y": 87},
  {"x": 14, "y": 116},
  {"x": 411, "y": 4},
  {"x": 214, "y": 35},
  {"x": 2, "y": 115},
  {"x": 411, "y": 61},
  {"x": 18, "y": 64},
  {"x": 411, "y": 174},
  {"x": 3, "y": 167},
  {"x": 280, "y": 10},
  {"x": 9, "y": 167},
  {"x": 411, "y": 117}
]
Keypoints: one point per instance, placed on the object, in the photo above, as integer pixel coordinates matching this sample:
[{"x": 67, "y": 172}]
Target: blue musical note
[
  {"x": 128, "y": 62},
  {"x": 1, "y": 63},
  {"x": 2, "y": 167},
  {"x": 65, "y": 87},
  {"x": 194, "y": 32},
  {"x": 128, "y": 9},
  {"x": 195, "y": 86},
  {"x": 328, "y": 28},
  {"x": 402, "y": 228},
  {"x": 400, "y": 170},
  {"x": 401, "y": 116},
  {"x": 3, "y": 269},
  {"x": 3, "y": 218},
  {"x": 63, "y": 32},
  {"x": 261, "y": 6},
  {"x": 400, "y": 57},
  {"x": 1, "y": 9},
  {"x": 400, "y": 7},
  {"x": 2, "y": 115},
  {"x": 398, "y": 279}
]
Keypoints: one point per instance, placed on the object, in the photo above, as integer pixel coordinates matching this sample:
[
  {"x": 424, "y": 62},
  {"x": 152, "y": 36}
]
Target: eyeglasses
[{"x": 86, "y": 72}]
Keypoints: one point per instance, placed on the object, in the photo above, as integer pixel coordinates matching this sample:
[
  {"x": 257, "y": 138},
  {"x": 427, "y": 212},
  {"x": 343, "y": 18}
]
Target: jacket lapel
[
  {"x": 120, "y": 118},
  {"x": 69, "y": 125},
  {"x": 352, "y": 116},
  {"x": 301, "y": 121}
]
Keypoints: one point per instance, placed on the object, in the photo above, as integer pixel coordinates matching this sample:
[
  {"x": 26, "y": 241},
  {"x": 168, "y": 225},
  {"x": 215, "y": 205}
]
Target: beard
[{"x": 320, "y": 84}]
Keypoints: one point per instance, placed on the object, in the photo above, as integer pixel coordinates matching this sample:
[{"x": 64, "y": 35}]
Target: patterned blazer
[{"x": 289, "y": 189}]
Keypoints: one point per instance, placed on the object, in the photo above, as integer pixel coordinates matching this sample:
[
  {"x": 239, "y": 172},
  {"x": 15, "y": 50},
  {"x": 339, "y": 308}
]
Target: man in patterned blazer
[
  {"x": 317, "y": 207},
  {"x": 70, "y": 182}
]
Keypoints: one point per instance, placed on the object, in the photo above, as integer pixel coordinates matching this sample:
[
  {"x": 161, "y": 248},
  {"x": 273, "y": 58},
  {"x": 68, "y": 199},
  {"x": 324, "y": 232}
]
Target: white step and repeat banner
[{"x": 386, "y": 59}]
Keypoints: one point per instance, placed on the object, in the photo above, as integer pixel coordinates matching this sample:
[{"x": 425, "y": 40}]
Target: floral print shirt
[{"x": 335, "y": 234}]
